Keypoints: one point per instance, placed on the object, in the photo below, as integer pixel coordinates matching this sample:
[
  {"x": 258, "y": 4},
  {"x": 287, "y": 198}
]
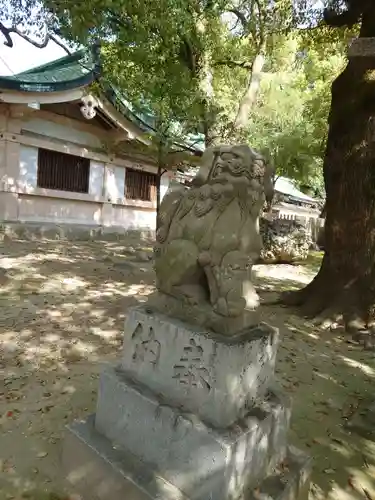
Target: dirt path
[{"x": 62, "y": 307}]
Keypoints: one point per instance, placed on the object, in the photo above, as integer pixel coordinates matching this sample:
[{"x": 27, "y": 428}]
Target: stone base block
[
  {"x": 188, "y": 453},
  {"x": 99, "y": 471},
  {"x": 289, "y": 481},
  {"x": 216, "y": 377}
]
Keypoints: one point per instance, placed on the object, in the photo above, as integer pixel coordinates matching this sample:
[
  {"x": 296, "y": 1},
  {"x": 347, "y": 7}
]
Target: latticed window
[
  {"x": 63, "y": 171},
  {"x": 140, "y": 185}
]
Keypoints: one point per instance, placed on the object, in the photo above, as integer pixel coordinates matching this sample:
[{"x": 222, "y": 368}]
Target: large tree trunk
[{"x": 345, "y": 283}]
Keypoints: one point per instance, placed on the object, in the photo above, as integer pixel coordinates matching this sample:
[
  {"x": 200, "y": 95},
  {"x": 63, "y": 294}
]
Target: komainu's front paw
[
  {"x": 221, "y": 307},
  {"x": 161, "y": 234},
  {"x": 235, "y": 308},
  {"x": 229, "y": 308}
]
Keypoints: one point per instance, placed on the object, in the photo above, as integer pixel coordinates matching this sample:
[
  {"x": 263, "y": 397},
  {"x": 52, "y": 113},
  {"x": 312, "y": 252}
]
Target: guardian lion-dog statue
[{"x": 208, "y": 239}]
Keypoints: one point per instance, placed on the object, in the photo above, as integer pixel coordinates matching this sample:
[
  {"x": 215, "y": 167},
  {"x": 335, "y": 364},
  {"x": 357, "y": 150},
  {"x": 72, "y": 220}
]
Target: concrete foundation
[
  {"x": 187, "y": 414},
  {"x": 31, "y": 231}
]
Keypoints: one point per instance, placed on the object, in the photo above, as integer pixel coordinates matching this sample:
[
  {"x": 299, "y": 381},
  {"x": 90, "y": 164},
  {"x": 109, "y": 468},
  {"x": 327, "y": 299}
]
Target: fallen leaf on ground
[
  {"x": 329, "y": 471},
  {"x": 351, "y": 482},
  {"x": 367, "y": 494}
]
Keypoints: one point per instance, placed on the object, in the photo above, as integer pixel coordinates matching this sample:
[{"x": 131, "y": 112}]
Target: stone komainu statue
[{"x": 208, "y": 236}]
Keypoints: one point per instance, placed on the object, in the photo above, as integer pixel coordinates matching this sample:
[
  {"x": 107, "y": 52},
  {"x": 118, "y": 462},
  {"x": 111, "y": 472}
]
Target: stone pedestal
[{"x": 187, "y": 414}]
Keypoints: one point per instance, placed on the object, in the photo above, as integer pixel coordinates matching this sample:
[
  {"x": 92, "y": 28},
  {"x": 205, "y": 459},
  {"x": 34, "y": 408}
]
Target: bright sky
[{"x": 24, "y": 56}]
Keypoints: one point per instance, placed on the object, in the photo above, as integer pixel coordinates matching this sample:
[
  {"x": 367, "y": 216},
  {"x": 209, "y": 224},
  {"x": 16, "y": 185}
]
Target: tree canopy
[{"x": 231, "y": 70}]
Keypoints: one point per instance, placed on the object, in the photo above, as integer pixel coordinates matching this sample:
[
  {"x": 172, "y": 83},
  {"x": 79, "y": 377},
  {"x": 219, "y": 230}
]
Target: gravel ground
[{"x": 62, "y": 307}]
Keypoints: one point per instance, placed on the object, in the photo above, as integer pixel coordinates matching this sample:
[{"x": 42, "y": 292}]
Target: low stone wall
[{"x": 284, "y": 241}]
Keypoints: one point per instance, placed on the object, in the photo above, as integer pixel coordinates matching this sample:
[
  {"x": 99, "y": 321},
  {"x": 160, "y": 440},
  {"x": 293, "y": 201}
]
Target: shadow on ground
[
  {"x": 330, "y": 379},
  {"x": 62, "y": 307}
]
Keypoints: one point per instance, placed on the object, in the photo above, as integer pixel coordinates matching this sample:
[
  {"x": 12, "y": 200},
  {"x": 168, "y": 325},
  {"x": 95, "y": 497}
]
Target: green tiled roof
[
  {"x": 146, "y": 121},
  {"x": 77, "y": 70},
  {"x": 66, "y": 73}
]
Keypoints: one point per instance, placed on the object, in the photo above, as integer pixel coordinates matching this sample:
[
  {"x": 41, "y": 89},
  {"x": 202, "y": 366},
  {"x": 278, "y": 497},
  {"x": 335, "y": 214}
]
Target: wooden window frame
[
  {"x": 63, "y": 172},
  {"x": 140, "y": 185}
]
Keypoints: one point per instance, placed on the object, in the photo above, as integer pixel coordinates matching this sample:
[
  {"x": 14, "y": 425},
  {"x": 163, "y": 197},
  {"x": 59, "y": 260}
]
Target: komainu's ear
[
  {"x": 245, "y": 152},
  {"x": 205, "y": 165}
]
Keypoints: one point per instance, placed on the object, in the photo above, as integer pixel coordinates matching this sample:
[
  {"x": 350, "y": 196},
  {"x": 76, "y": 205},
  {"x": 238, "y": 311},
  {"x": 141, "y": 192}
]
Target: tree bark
[
  {"x": 249, "y": 97},
  {"x": 345, "y": 283}
]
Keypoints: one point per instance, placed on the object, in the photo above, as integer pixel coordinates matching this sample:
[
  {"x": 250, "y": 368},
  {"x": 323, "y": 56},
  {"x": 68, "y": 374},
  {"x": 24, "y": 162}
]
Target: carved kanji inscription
[
  {"x": 146, "y": 348},
  {"x": 189, "y": 370}
]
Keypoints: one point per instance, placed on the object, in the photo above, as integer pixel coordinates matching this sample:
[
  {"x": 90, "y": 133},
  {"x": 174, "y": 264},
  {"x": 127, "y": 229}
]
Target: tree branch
[
  {"x": 348, "y": 18},
  {"x": 120, "y": 21},
  {"x": 40, "y": 45},
  {"x": 261, "y": 24},
  {"x": 186, "y": 148},
  {"x": 320, "y": 25},
  {"x": 233, "y": 64},
  {"x": 248, "y": 29},
  {"x": 241, "y": 17},
  {"x": 8, "y": 40}
]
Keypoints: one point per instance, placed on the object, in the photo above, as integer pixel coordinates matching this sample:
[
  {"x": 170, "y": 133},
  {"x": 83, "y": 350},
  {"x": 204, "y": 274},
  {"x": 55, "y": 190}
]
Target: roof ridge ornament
[{"x": 88, "y": 106}]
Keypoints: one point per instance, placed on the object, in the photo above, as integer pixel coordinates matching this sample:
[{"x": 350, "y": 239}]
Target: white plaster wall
[
  {"x": 8, "y": 206},
  {"x": 114, "y": 183},
  {"x": 43, "y": 209},
  {"x": 96, "y": 178},
  {"x": 58, "y": 210},
  {"x": 58, "y": 131},
  {"x": 28, "y": 167},
  {"x": 3, "y": 162},
  {"x": 132, "y": 218},
  {"x": 164, "y": 185}
]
